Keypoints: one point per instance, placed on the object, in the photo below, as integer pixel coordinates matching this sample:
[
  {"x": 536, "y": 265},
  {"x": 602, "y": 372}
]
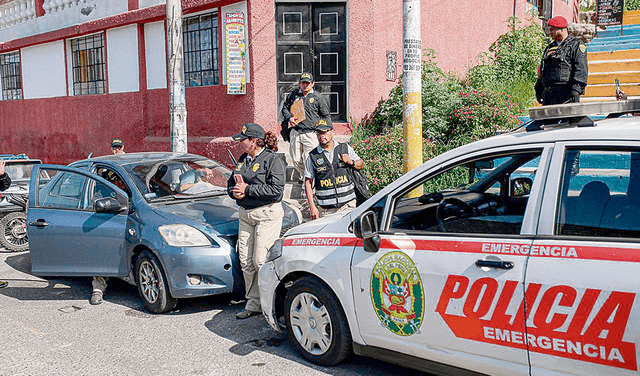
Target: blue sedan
[{"x": 162, "y": 221}]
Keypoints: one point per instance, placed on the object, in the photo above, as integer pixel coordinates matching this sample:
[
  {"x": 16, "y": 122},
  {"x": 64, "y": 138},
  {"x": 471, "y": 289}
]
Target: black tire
[
  {"x": 13, "y": 232},
  {"x": 152, "y": 284},
  {"x": 313, "y": 311}
]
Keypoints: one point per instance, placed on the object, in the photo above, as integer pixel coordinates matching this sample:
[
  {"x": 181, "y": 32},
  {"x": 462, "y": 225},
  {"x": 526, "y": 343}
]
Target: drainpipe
[{"x": 412, "y": 90}]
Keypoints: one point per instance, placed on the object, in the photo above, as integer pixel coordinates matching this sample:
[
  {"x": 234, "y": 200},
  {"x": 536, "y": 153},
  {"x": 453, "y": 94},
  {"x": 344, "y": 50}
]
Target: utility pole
[
  {"x": 177, "y": 99},
  {"x": 412, "y": 89}
]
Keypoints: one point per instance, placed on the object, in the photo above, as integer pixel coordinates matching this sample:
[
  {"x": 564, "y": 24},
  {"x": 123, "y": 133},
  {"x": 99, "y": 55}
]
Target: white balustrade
[{"x": 16, "y": 12}]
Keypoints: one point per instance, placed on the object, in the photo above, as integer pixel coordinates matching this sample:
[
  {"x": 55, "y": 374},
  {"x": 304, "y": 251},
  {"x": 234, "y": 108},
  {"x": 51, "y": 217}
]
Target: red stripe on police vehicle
[
  {"x": 558, "y": 325},
  {"x": 320, "y": 241}
]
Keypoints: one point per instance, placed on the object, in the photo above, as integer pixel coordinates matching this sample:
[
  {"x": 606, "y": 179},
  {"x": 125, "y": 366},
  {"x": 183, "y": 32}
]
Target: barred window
[
  {"x": 10, "y": 73},
  {"x": 200, "y": 38},
  {"x": 88, "y": 65}
]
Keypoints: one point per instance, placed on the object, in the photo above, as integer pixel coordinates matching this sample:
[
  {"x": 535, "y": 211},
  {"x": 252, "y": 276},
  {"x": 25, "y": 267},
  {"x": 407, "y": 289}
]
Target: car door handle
[
  {"x": 495, "y": 264},
  {"x": 40, "y": 223}
]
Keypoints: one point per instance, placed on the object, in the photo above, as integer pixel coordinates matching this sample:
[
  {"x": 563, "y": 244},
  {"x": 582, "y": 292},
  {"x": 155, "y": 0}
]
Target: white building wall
[
  {"x": 156, "y": 55},
  {"x": 150, "y": 3},
  {"x": 43, "y": 71},
  {"x": 122, "y": 59}
]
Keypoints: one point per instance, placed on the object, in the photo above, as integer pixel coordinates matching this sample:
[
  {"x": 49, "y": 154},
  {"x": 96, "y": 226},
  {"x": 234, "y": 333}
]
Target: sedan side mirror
[
  {"x": 521, "y": 187},
  {"x": 365, "y": 227},
  {"x": 107, "y": 205}
]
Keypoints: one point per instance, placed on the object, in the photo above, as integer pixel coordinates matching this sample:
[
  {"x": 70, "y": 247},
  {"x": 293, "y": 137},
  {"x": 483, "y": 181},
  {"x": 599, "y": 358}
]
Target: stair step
[
  {"x": 631, "y": 17},
  {"x": 610, "y": 77},
  {"x": 614, "y": 66},
  {"x": 614, "y": 31},
  {"x": 613, "y": 55},
  {"x": 610, "y": 90},
  {"x": 615, "y": 47},
  {"x": 612, "y": 40}
]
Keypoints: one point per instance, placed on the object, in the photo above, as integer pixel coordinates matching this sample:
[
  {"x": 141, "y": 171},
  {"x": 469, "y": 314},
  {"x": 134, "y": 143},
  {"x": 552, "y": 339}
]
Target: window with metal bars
[
  {"x": 11, "y": 82},
  {"x": 87, "y": 56},
  {"x": 200, "y": 38}
]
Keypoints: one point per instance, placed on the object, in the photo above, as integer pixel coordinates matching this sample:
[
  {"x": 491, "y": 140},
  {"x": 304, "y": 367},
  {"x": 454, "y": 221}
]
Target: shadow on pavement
[
  {"x": 254, "y": 334},
  {"x": 29, "y": 287}
]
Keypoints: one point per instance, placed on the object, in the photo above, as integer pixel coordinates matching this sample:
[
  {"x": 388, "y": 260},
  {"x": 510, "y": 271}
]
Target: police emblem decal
[
  {"x": 583, "y": 48},
  {"x": 397, "y": 294},
  {"x": 320, "y": 161},
  {"x": 255, "y": 167}
]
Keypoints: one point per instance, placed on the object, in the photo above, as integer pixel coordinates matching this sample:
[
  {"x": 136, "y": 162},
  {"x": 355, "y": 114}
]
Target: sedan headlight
[
  {"x": 183, "y": 236},
  {"x": 275, "y": 251}
]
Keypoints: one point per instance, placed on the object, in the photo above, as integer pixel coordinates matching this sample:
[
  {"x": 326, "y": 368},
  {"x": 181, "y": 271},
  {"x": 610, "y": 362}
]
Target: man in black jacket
[
  {"x": 5, "y": 182},
  {"x": 563, "y": 70},
  {"x": 302, "y": 138}
]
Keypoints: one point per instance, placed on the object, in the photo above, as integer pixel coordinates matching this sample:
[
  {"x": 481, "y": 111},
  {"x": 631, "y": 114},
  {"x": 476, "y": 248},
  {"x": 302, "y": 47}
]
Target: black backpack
[{"x": 358, "y": 178}]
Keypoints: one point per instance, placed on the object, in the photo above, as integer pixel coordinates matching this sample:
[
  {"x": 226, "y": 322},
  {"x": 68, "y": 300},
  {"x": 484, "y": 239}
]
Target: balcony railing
[{"x": 16, "y": 12}]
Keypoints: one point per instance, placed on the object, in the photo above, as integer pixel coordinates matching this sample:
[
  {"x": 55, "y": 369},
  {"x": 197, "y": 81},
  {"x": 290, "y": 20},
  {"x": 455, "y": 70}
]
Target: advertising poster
[
  {"x": 609, "y": 12},
  {"x": 236, "y": 52}
]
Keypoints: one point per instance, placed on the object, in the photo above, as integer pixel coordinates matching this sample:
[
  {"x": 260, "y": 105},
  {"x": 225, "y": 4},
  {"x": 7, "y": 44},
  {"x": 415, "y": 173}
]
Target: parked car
[
  {"x": 13, "y": 229},
  {"x": 457, "y": 267},
  {"x": 125, "y": 216}
]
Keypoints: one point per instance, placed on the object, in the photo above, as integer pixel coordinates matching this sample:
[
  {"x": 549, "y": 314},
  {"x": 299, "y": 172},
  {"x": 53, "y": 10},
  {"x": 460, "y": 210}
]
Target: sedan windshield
[{"x": 176, "y": 178}]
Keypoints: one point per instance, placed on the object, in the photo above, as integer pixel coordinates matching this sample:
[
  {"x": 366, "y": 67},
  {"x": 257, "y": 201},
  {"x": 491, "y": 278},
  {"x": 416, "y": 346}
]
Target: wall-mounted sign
[
  {"x": 236, "y": 53},
  {"x": 391, "y": 65},
  {"x": 609, "y": 12}
]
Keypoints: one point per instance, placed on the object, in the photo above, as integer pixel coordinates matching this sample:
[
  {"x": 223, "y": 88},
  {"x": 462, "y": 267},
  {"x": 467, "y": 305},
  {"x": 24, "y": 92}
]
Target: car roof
[
  {"x": 18, "y": 158},
  {"x": 129, "y": 158}
]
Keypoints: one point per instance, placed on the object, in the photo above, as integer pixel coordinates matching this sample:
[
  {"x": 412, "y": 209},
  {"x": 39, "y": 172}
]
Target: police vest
[
  {"x": 557, "y": 63},
  {"x": 334, "y": 187}
]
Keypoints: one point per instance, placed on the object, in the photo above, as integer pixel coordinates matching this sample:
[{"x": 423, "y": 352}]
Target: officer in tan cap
[{"x": 563, "y": 71}]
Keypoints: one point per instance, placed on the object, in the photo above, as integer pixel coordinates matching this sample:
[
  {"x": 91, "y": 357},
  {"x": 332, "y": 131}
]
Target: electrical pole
[
  {"x": 412, "y": 90},
  {"x": 177, "y": 99}
]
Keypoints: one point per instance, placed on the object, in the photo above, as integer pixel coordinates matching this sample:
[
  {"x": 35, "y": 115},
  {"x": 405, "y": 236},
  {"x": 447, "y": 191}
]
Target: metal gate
[{"x": 312, "y": 38}]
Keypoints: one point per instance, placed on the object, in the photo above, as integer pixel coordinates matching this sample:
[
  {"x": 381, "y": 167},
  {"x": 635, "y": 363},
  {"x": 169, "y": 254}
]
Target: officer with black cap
[
  {"x": 117, "y": 146},
  {"x": 563, "y": 70},
  {"x": 257, "y": 185},
  {"x": 301, "y": 137},
  {"x": 327, "y": 168}
]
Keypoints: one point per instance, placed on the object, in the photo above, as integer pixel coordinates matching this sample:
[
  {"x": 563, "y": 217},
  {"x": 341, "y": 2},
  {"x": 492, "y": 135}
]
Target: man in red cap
[{"x": 563, "y": 70}]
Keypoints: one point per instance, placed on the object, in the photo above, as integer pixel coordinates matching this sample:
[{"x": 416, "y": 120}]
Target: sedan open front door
[{"x": 76, "y": 224}]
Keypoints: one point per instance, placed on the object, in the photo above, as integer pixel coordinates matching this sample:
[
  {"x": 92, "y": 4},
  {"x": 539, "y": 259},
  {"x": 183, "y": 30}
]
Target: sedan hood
[{"x": 213, "y": 212}]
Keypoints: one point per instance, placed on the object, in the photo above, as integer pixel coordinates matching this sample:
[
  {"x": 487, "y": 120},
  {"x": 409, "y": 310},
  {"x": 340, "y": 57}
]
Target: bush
[
  {"x": 511, "y": 65},
  {"x": 454, "y": 112},
  {"x": 631, "y": 5}
]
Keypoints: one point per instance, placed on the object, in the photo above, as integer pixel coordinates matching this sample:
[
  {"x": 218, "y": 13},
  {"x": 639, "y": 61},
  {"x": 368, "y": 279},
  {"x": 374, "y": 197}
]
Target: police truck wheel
[
  {"x": 13, "y": 232},
  {"x": 152, "y": 284},
  {"x": 316, "y": 323}
]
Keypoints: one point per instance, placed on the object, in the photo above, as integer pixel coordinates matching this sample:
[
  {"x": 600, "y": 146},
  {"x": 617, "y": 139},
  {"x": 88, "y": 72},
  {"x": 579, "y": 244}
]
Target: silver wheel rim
[
  {"x": 15, "y": 232},
  {"x": 311, "y": 324},
  {"x": 148, "y": 281}
]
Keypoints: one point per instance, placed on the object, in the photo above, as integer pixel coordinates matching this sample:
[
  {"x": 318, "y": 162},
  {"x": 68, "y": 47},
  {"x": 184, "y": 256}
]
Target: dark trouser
[{"x": 559, "y": 95}]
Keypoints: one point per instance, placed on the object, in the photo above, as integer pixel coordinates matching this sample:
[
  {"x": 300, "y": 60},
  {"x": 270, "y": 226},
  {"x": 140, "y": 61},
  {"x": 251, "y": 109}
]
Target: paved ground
[{"x": 48, "y": 327}]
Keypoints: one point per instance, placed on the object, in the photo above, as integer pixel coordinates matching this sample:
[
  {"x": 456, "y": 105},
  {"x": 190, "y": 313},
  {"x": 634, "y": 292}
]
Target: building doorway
[{"x": 312, "y": 37}]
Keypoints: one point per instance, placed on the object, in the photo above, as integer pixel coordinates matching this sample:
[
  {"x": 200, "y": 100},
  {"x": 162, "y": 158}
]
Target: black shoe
[
  {"x": 245, "y": 314},
  {"x": 3, "y": 284},
  {"x": 96, "y": 298}
]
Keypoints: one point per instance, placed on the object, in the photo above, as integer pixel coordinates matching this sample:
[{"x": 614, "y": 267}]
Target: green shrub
[
  {"x": 454, "y": 112},
  {"x": 511, "y": 65},
  {"x": 631, "y": 5}
]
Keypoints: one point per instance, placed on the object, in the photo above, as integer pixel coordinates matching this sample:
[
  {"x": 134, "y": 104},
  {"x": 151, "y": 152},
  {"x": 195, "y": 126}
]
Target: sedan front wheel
[{"x": 152, "y": 284}]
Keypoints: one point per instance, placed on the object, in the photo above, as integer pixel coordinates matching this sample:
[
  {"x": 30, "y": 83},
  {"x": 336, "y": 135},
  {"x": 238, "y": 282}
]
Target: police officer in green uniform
[
  {"x": 257, "y": 185},
  {"x": 5, "y": 182},
  {"x": 327, "y": 168},
  {"x": 563, "y": 70}
]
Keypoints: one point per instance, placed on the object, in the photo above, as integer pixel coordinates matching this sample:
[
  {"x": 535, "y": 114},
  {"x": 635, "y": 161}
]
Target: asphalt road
[{"x": 48, "y": 327}]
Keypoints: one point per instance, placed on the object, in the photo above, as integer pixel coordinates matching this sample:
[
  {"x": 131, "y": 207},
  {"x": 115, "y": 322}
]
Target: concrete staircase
[{"x": 615, "y": 53}]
